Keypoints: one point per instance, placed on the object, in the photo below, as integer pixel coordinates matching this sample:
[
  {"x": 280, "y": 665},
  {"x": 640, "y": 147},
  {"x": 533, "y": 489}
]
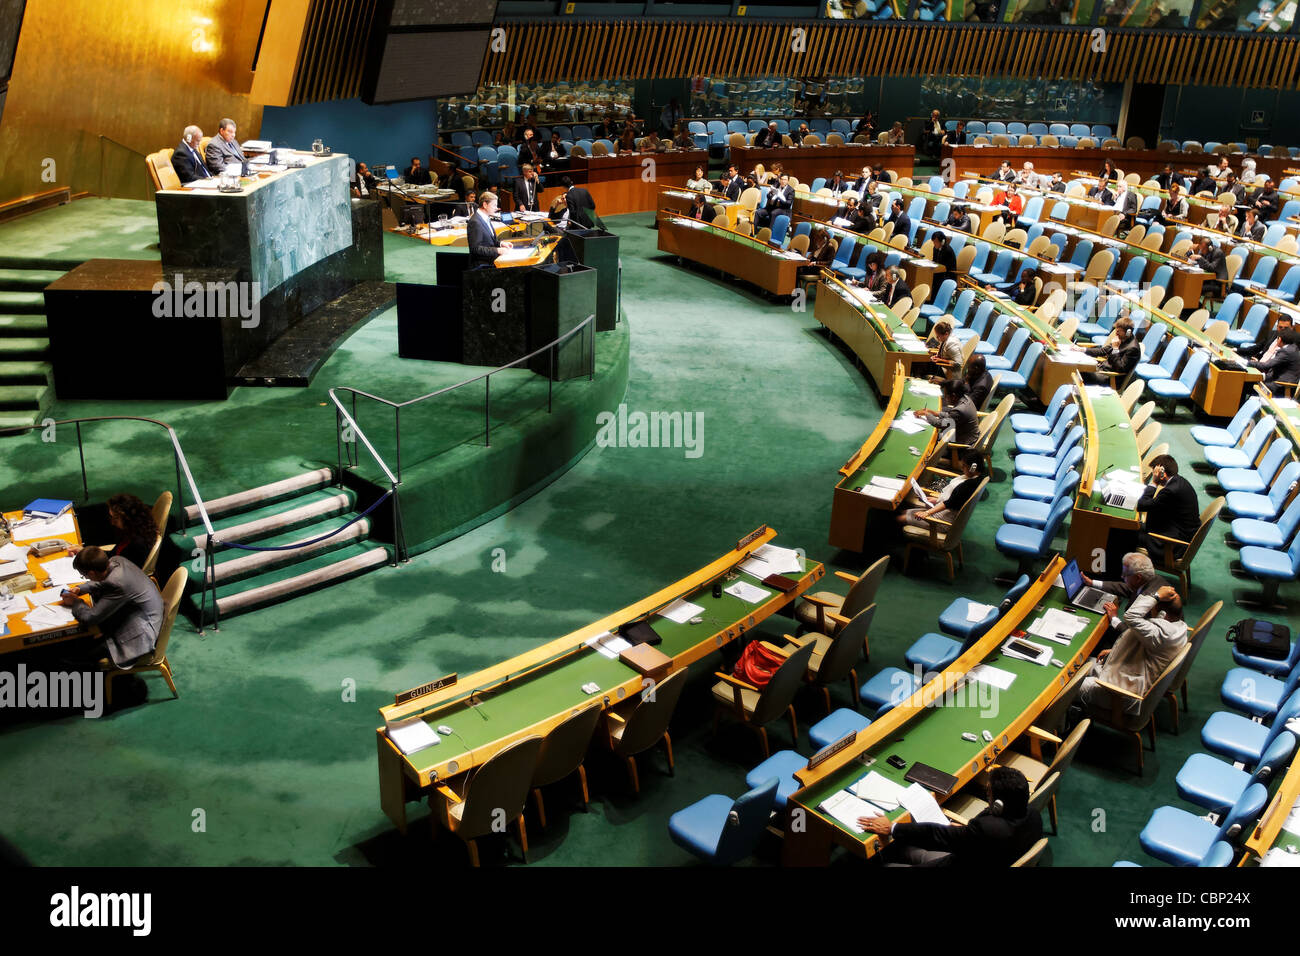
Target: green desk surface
[
  {"x": 1117, "y": 448},
  {"x": 747, "y": 242},
  {"x": 892, "y": 457},
  {"x": 934, "y": 735},
  {"x": 885, "y": 319},
  {"x": 555, "y": 687}
]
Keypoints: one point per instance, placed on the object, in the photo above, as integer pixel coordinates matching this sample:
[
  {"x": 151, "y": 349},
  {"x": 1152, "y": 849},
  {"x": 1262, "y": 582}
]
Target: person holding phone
[{"x": 950, "y": 500}]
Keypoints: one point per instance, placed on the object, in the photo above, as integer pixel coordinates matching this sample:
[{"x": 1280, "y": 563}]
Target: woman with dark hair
[
  {"x": 821, "y": 251},
  {"x": 867, "y": 126},
  {"x": 132, "y": 521},
  {"x": 1107, "y": 171},
  {"x": 700, "y": 181},
  {"x": 949, "y": 500},
  {"x": 875, "y": 266}
]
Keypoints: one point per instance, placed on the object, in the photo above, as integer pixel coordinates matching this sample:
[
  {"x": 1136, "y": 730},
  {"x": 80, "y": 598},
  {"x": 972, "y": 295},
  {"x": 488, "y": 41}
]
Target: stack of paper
[
  {"x": 681, "y": 611},
  {"x": 918, "y": 387},
  {"x": 748, "y": 593},
  {"x": 9, "y": 569},
  {"x": 13, "y": 605},
  {"x": 609, "y": 645},
  {"x": 37, "y": 530},
  {"x": 412, "y": 734},
  {"x": 49, "y": 596},
  {"x": 879, "y": 790},
  {"x": 61, "y": 572},
  {"x": 781, "y": 560},
  {"x": 920, "y": 803},
  {"x": 1120, "y": 474},
  {"x": 908, "y": 425},
  {"x": 12, "y": 552},
  {"x": 993, "y": 676},
  {"x": 888, "y": 484},
  {"x": 48, "y": 615},
  {"x": 976, "y": 611},
  {"x": 846, "y": 808}
]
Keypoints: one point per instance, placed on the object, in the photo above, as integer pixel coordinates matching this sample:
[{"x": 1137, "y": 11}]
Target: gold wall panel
[{"x": 97, "y": 85}]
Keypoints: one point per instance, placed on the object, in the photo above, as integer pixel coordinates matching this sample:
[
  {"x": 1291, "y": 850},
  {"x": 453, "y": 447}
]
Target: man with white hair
[
  {"x": 1137, "y": 577},
  {"x": 186, "y": 160},
  {"x": 1154, "y": 634},
  {"x": 1028, "y": 177}
]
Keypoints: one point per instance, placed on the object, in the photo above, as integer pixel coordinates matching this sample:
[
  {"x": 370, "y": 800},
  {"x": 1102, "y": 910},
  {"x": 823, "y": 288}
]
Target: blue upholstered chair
[
  {"x": 1214, "y": 784},
  {"x": 1271, "y": 568},
  {"x": 1243, "y": 740},
  {"x": 1045, "y": 466},
  {"x": 1173, "y": 390},
  {"x": 1044, "y": 423},
  {"x": 1219, "y": 455},
  {"x": 1033, "y": 488},
  {"x": 781, "y": 765},
  {"x": 1207, "y": 435},
  {"x": 721, "y": 831},
  {"x": 1033, "y": 443},
  {"x": 1028, "y": 544},
  {"x": 1256, "y": 694},
  {"x": 1256, "y": 480},
  {"x": 1184, "y": 839},
  {"x": 836, "y": 725},
  {"x": 1030, "y": 511}
]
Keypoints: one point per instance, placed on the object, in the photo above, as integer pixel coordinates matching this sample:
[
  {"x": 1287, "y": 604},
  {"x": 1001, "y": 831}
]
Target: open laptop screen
[{"x": 1072, "y": 579}]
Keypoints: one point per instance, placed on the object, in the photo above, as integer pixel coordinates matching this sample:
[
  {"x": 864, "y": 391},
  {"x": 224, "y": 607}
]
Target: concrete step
[
  {"x": 264, "y": 527},
  {"x": 27, "y": 280},
  {"x": 311, "y": 580},
  {"x": 263, "y": 494},
  {"x": 18, "y": 419},
  {"x": 24, "y": 349},
  {"x": 245, "y": 564},
  {"x": 23, "y": 326},
  {"x": 24, "y": 397},
  {"x": 28, "y": 303},
  {"x": 26, "y": 373}
]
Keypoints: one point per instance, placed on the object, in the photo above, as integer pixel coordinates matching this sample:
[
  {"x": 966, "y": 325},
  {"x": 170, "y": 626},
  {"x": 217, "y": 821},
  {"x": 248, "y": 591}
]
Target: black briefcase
[{"x": 1261, "y": 638}]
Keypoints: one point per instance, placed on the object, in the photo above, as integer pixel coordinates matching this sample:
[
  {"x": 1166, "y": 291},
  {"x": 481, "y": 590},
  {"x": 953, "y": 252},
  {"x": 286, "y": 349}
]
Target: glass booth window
[
  {"x": 545, "y": 103},
  {"x": 864, "y": 9},
  {"x": 1247, "y": 16},
  {"x": 1152, "y": 14},
  {"x": 956, "y": 11}
]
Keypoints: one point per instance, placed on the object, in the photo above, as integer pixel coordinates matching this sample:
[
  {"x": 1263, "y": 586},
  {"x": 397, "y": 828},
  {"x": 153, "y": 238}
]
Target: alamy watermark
[
  {"x": 208, "y": 300},
  {"x": 624, "y": 429},
  {"x": 57, "y": 690}
]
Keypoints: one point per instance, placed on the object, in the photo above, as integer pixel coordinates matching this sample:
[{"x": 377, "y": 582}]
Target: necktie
[{"x": 200, "y": 163}]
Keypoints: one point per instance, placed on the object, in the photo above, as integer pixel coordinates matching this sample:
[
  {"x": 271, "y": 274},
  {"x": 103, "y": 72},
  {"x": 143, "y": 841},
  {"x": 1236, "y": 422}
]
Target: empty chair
[
  {"x": 721, "y": 831},
  {"x": 1259, "y": 277},
  {"x": 1029, "y": 544},
  {"x": 836, "y": 658},
  {"x": 1271, "y": 568},
  {"x": 1212, "y": 784},
  {"x": 562, "y": 754},
  {"x": 942, "y": 299},
  {"x": 1170, "y": 358},
  {"x": 1209, "y": 435},
  {"x": 646, "y": 725},
  {"x": 1268, "y": 534},
  {"x": 1173, "y": 390},
  {"x": 1035, "y": 488},
  {"x": 1008, "y": 359},
  {"x": 1044, "y": 466},
  {"x": 1174, "y": 556},
  {"x": 496, "y": 791},
  {"x": 992, "y": 342},
  {"x": 1247, "y": 504},
  {"x": 1180, "y": 838},
  {"x": 1252, "y": 324},
  {"x": 1255, "y": 480},
  {"x": 934, "y": 652},
  {"x": 1035, "y": 443},
  {"x": 836, "y": 726},
  {"x": 1033, "y": 512},
  {"x": 1018, "y": 380},
  {"x": 1247, "y": 453},
  {"x": 818, "y": 611},
  {"x": 1243, "y": 739},
  {"x": 1042, "y": 424}
]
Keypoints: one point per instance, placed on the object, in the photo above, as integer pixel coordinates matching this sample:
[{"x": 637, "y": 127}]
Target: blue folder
[{"x": 47, "y": 507}]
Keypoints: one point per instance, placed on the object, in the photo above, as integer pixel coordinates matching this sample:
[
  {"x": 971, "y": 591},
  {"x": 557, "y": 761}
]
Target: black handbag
[{"x": 1261, "y": 638}]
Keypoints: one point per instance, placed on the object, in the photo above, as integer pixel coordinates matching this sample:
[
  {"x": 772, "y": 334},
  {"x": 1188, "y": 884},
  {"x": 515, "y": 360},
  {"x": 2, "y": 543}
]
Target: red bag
[{"x": 757, "y": 664}]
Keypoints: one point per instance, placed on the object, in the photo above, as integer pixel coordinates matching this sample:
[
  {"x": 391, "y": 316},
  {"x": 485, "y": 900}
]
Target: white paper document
[
  {"x": 781, "y": 560},
  {"x": 37, "y": 530},
  {"x": 920, "y": 803},
  {"x": 993, "y": 676},
  {"x": 48, "y": 596},
  {"x": 880, "y": 790},
  {"x": 681, "y": 611},
  {"x": 9, "y": 569},
  {"x": 1120, "y": 474},
  {"x": 846, "y": 808},
  {"x": 412, "y": 734},
  {"x": 908, "y": 425},
  {"x": 976, "y": 611},
  {"x": 748, "y": 593},
  {"x": 12, "y": 552},
  {"x": 889, "y": 484},
  {"x": 61, "y": 572},
  {"x": 14, "y": 605},
  {"x": 49, "y": 615},
  {"x": 511, "y": 255},
  {"x": 1292, "y": 823},
  {"x": 875, "y": 491},
  {"x": 757, "y": 567},
  {"x": 1280, "y": 857},
  {"x": 918, "y": 387},
  {"x": 608, "y": 644}
]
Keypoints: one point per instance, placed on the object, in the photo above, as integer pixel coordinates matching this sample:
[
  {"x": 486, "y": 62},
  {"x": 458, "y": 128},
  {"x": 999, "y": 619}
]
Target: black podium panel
[
  {"x": 561, "y": 297},
  {"x": 494, "y": 321},
  {"x": 599, "y": 250},
  {"x": 429, "y": 322}
]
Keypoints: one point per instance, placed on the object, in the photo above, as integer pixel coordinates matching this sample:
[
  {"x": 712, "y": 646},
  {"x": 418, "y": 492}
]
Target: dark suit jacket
[
  {"x": 521, "y": 195},
  {"x": 1009, "y": 176},
  {"x": 988, "y": 841},
  {"x": 417, "y": 177},
  {"x": 946, "y": 257},
  {"x": 128, "y": 609},
  {"x": 779, "y": 198},
  {"x": 707, "y": 212},
  {"x": 890, "y": 296},
  {"x": 482, "y": 241},
  {"x": 582, "y": 207},
  {"x": 979, "y": 389},
  {"x": 530, "y": 152},
  {"x": 902, "y": 225},
  {"x": 1256, "y": 233},
  {"x": 221, "y": 154},
  {"x": 1171, "y": 510},
  {"x": 1271, "y": 206},
  {"x": 1122, "y": 360},
  {"x": 862, "y": 220},
  {"x": 734, "y": 188},
  {"x": 960, "y": 223},
  {"x": 560, "y": 153},
  {"x": 765, "y": 138},
  {"x": 1214, "y": 261},
  {"x": 1284, "y": 366},
  {"x": 189, "y": 166}
]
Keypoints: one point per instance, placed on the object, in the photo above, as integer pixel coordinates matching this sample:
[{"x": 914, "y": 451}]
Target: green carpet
[{"x": 273, "y": 736}]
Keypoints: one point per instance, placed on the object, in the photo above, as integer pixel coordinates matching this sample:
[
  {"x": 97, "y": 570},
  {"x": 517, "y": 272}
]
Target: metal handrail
[{"x": 485, "y": 377}]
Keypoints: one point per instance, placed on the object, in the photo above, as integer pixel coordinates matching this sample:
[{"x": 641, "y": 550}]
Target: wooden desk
[
  {"x": 869, "y": 330},
  {"x": 630, "y": 182},
  {"x": 1109, "y": 444},
  {"x": 1047, "y": 159},
  {"x": 539, "y": 254},
  {"x": 1268, "y": 833},
  {"x": 918, "y": 271},
  {"x": 744, "y": 257},
  {"x": 454, "y": 236},
  {"x": 534, "y": 692},
  {"x": 886, "y": 453},
  {"x": 20, "y": 634},
  {"x": 807, "y": 163},
  {"x": 928, "y": 726}
]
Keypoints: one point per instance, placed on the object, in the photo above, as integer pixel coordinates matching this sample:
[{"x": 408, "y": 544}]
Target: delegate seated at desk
[
  {"x": 976, "y": 375},
  {"x": 1119, "y": 354},
  {"x": 133, "y": 529},
  {"x": 1137, "y": 577},
  {"x": 945, "y": 505},
  {"x": 1170, "y": 505},
  {"x": 956, "y": 420},
  {"x": 417, "y": 175},
  {"x": 1270, "y": 346},
  {"x": 1154, "y": 633},
  {"x": 1282, "y": 367},
  {"x": 187, "y": 162},
  {"x": 223, "y": 150},
  {"x": 946, "y": 349},
  {"x": 998, "y": 836},
  {"x": 481, "y": 236},
  {"x": 127, "y": 607}
]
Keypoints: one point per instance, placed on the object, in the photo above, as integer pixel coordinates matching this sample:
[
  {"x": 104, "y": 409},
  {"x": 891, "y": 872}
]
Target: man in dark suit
[
  {"x": 1169, "y": 177},
  {"x": 976, "y": 375},
  {"x": 895, "y": 287},
  {"x": 223, "y": 149},
  {"x": 527, "y": 190},
  {"x": 779, "y": 203},
  {"x": 861, "y": 218},
  {"x": 187, "y": 162},
  {"x": 1101, "y": 192},
  {"x": 1119, "y": 355},
  {"x": 530, "y": 151},
  {"x": 1251, "y": 227},
  {"x": 943, "y": 256},
  {"x": 959, "y": 219},
  {"x": 1269, "y": 347},
  {"x": 732, "y": 184},
  {"x": 481, "y": 234},
  {"x": 860, "y": 185},
  {"x": 1233, "y": 185},
  {"x": 768, "y": 137},
  {"x": 1266, "y": 201},
  {"x": 1211, "y": 258},
  {"x": 1170, "y": 506},
  {"x": 702, "y": 209},
  {"x": 416, "y": 174},
  {"x": 580, "y": 207},
  {"x": 1126, "y": 204},
  {"x": 1283, "y": 365},
  {"x": 996, "y": 837},
  {"x": 127, "y": 606},
  {"x": 902, "y": 222},
  {"x": 1005, "y": 173}
]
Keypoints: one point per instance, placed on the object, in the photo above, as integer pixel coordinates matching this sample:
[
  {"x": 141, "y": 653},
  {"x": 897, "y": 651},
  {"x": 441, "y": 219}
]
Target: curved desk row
[
  {"x": 1110, "y": 446},
  {"x": 719, "y": 247}
]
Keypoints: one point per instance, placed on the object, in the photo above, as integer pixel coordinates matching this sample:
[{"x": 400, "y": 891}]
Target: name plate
[
  {"x": 750, "y": 538},
  {"x": 830, "y": 750},
  {"x": 423, "y": 689}
]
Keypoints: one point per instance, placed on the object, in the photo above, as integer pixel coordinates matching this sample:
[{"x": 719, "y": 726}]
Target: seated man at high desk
[
  {"x": 732, "y": 183},
  {"x": 1169, "y": 177},
  {"x": 363, "y": 182},
  {"x": 481, "y": 234},
  {"x": 416, "y": 174},
  {"x": 1102, "y": 192},
  {"x": 859, "y": 186},
  {"x": 1211, "y": 258},
  {"x": 1203, "y": 183},
  {"x": 1170, "y": 506},
  {"x": 1137, "y": 578},
  {"x": 1027, "y": 176},
  {"x": 683, "y": 139},
  {"x": 956, "y": 420},
  {"x": 779, "y": 203},
  {"x": 530, "y": 150},
  {"x": 528, "y": 190},
  {"x": 960, "y": 220},
  {"x": 1231, "y": 184},
  {"x": 701, "y": 209},
  {"x": 941, "y": 252},
  {"x": 1056, "y": 184},
  {"x": 880, "y": 175},
  {"x": 902, "y": 222},
  {"x": 976, "y": 375},
  {"x": 1222, "y": 170},
  {"x": 798, "y": 135},
  {"x": 187, "y": 162},
  {"x": 767, "y": 137},
  {"x": 1005, "y": 173},
  {"x": 996, "y": 837},
  {"x": 894, "y": 287},
  {"x": 223, "y": 149},
  {"x": 1282, "y": 368},
  {"x": 1224, "y": 219},
  {"x": 1153, "y": 633},
  {"x": 837, "y": 183},
  {"x": 1251, "y": 227},
  {"x": 1270, "y": 344},
  {"x": 555, "y": 155},
  {"x": 1119, "y": 354},
  {"x": 944, "y": 504},
  {"x": 128, "y": 607}
]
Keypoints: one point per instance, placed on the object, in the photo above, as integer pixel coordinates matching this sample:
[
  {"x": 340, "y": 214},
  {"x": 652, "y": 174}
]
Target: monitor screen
[{"x": 1072, "y": 579}]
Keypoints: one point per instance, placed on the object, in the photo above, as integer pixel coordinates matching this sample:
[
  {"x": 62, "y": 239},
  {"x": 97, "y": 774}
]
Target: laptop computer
[
  {"x": 1088, "y": 598},
  {"x": 1123, "y": 494}
]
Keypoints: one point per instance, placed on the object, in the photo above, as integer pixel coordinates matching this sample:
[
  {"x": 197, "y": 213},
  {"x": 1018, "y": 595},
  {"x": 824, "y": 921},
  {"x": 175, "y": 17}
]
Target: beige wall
[{"x": 137, "y": 72}]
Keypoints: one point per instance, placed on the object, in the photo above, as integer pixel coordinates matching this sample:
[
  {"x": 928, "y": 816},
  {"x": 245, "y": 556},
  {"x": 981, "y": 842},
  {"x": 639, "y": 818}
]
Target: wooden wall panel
[{"x": 84, "y": 69}]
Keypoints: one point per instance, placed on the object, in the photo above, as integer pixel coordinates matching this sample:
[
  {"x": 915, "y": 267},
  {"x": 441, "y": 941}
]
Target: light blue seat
[
  {"x": 1268, "y": 665},
  {"x": 988, "y": 346},
  {"x": 481, "y": 137},
  {"x": 996, "y": 128},
  {"x": 1245, "y": 504},
  {"x": 1032, "y": 213},
  {"x": 1059, "y": 129},
  {"x": 1214, "y": 784},
  {"x": 1229, "y": 309},
  {"x": 859, "y": 269},
  {"x": 843, "y": 255},
  {"x": 1286, "y": 289},
  {"x": 835, "y": 726},
  {"x": 1018, "y": 380},
  {"x": 1243, "y": 740},
  {"x": 1101, "y": 131},
  {"x": 1175, "y": 389},
  {"x": 1044, "y": 466},
  {"x": 1033, "y": 488},
  {"x": 1259, "y": 277},
  {"x": 1271, "y": 567},
  {"x": 961, "y": 308},
  {"x": 1017, "y": 129},
  {"x": 818, "y": 183},
  {"x": 1180, "y": 838},
  {"x": 976, "y": 128},
  {"x": 1030, "y": 545},
  {"x": 1268, "y": 534},
  {"x": 1034, "y": 443},
  {"x": 941, "y": 210},
  {"x": 1081, "y": 130},
  {"x": 1079, "y": 258},
  {"x": 888, "y": 688},
  {"x": 708, "y": 829},
  {"x": 1059, "y": 240},
  {"x": 780, "y": 226},
  {"x": 998, "y": 273},
  {"x": 1255, "y": 481},
  {"x": 781, "y": 765},
  {"x": 1044, "y": 423},
  {"x": 803, "y": 229},
  {"x": 942, "y": 299},
  {"x": 1029, "y": 511},
  {"x": 1273, "y": 233},
  {"x": 1069, "y": 142},
  {"x": 1038, "y": 129},
  {"x": 1083, "y": 309},
  {"x": 1169, "y": 360},
  {"x": 1008, "y": 359},
  {"x": 979, "y": 324},
  {"x": 1253, "y": 323},
  {"x": 1132, "y": 276},
  {"x": 962, "y": 189},
  {"x": 1257, "y": 694},
  {"x": 954, "y": 619},
  {"x": 1248, "y": 452}
]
